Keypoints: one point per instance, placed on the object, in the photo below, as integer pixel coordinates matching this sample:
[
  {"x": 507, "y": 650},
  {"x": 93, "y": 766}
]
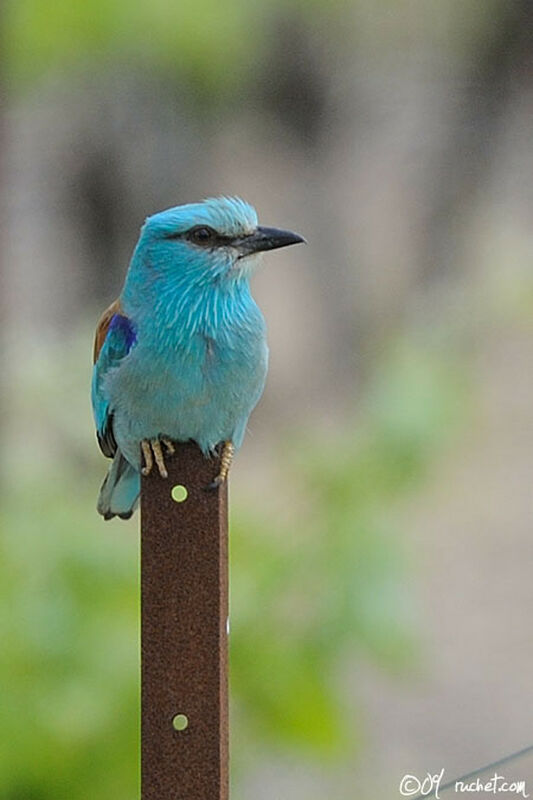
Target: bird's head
[{"x": 209, "y": 241}]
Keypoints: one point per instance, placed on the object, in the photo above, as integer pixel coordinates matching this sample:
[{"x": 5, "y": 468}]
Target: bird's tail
[{"x": 120, "y": 490}]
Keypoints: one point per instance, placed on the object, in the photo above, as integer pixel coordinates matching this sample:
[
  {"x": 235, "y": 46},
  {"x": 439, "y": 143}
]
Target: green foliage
[
  {"x": 68, "y": 665},
  {"x": 212, "y": 44},
  {"x": 318, "y": 587},
  {"x": 325, "y": 581},
  {"x": 204, "y": 41}
]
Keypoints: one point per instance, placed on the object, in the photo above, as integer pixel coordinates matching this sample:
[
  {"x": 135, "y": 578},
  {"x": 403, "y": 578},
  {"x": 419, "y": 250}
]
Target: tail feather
[{"x": 120, "y": 490}]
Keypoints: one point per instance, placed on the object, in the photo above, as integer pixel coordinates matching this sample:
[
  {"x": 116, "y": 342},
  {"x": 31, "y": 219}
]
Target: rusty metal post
[{"x": 184, "y": 612}]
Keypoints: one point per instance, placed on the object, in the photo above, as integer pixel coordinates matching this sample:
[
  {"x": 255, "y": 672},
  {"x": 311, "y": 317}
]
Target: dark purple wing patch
[
  {"x": 119, "y": 339},
  {"x": 124, "y": 328}
]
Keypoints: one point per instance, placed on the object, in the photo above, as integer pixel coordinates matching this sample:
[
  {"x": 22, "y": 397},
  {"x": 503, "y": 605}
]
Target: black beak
[{"x": 266, "y": 239}]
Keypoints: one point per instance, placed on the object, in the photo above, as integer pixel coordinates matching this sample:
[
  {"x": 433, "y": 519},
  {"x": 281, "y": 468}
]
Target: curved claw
[
  {"x": 147, "y": 455},
  {"x": 151, "y": 450},
  {"x": 159, "y": 458},
  {"x": 214, "y": 484},
  {"x": 169, "y": 444},
  {"x": 228, "y": 452}
]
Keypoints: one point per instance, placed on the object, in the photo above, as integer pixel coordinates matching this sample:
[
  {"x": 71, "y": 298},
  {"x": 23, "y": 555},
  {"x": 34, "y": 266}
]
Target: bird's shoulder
[{"x": 102, "y": 327}]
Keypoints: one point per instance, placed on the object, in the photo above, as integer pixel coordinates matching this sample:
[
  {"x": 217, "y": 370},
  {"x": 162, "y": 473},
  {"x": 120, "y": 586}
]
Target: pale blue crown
[{"x": 229, "y": 216}]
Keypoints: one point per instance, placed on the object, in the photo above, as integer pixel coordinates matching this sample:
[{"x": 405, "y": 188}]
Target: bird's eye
[{"x": 202, "y": 235}]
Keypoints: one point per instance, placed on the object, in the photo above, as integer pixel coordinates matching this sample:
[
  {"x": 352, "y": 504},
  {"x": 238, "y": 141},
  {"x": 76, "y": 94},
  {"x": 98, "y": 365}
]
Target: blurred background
[{"x": 381, "y": 541}]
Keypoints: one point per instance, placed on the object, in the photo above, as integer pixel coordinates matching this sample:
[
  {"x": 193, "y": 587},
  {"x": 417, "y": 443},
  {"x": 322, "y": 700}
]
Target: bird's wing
[
  {"x": 103, "y": 327},
  {"x": 115, "y": 336}
]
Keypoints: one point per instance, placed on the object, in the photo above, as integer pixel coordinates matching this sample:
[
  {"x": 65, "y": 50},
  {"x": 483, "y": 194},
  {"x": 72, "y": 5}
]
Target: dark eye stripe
[{"x": 215, "y": 240}]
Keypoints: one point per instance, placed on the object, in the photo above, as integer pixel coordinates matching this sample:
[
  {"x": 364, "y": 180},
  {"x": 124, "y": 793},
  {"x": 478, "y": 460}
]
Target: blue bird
[{"x": 182, "y": 353}]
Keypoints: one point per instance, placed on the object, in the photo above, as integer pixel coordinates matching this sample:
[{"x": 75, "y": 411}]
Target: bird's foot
[
  {"x": 152, "y": 450},
  {"x": 228, "y": 451}
]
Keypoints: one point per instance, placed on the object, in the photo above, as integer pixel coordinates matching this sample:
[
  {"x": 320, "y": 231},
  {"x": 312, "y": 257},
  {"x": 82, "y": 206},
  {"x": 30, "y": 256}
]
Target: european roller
[{"x": 182, "y": 354}]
